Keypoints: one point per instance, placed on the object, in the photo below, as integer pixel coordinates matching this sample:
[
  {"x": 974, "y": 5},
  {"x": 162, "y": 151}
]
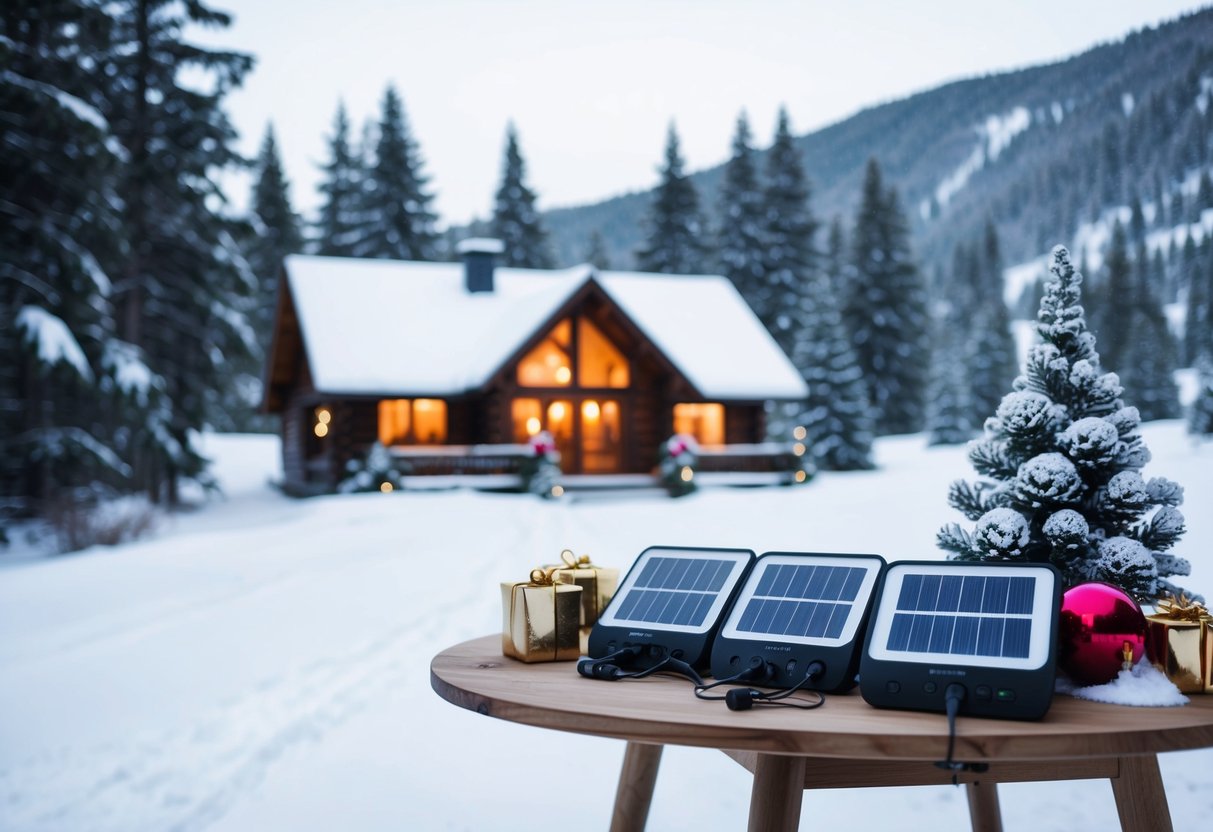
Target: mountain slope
[{"x": 1037, "y": 150}]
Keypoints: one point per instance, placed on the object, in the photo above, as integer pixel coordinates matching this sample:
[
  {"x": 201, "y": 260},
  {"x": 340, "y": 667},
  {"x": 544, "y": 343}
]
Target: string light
[
  {"x": 798, "y": 449},
  {"x": 386, "y": 487},
  {"x": 799, "y": 433},
  {"x": 801, "y": 476},
  {"x": 686, "y": 474}
]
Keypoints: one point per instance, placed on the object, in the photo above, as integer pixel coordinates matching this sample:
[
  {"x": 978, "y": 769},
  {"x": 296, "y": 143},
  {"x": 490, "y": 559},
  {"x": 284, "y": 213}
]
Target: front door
[{"x": 588, "y": 430}]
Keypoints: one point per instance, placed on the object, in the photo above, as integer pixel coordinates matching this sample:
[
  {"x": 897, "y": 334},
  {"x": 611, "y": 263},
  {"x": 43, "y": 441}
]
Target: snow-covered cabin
[{"x": 445, "y": 361}]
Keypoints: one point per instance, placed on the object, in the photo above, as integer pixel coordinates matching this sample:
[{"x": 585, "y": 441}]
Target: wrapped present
[
  {"x": 597, "y": 584},
  {"x": 540, "y": 619},
  {"x": 1179, "y": 642}
]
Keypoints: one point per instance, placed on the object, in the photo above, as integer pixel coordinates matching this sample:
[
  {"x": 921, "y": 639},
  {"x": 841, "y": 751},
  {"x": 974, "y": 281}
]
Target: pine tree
[
  {"x": 886, "y": 310},
  {"x": 788, "y": 233},
  {"x": 1147, "y": 371},
  {"x": 740, "y": 242},
  {"x": 515, "y": 221},
  {"x": 61, "y": 235},
  {"x": 1198, "y": 314},
  {"x": 397, "y": 222},
  {"x": 1113, "y": 318},
  {"x": 1061, "y": 467},
  {"x": 1200, "y": 419},
  {"x": 596, "y": 252},
  {"x": 337, "y": 230},
  {"x": 183, "y": 292},
  {"x": 674, "y": 241},
  {"x": 276, "y": 231},
  {"x": 949, "y": 397},
  {"x": 836, "y": 415},
  {"x": 992, "y": 363}
]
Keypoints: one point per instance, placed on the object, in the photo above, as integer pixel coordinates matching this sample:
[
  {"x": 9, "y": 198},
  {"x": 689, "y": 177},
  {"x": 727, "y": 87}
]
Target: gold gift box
[
  {"x": 540, "y": 619},
  {"x": 1180, "y": 644},
  {"x": 598, "y": 585}
]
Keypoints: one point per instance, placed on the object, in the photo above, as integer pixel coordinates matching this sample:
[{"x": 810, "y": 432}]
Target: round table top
[{"x": 664, "y": 710}]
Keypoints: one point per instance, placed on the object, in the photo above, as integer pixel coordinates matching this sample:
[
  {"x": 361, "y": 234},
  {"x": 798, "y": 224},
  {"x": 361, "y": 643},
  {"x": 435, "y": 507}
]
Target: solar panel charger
[
  {"x": 795, "y": 609},
  {"x": 990, "y": 629},
  {"x": 669, "y": 606}
]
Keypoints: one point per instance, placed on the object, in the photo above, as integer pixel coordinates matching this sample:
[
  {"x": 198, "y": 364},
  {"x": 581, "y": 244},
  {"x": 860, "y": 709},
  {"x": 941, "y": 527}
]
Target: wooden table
[{"x": 846, "y": 743}]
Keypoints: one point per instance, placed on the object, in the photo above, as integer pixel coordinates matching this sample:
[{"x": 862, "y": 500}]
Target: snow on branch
[{"x": 54, "y": 341}]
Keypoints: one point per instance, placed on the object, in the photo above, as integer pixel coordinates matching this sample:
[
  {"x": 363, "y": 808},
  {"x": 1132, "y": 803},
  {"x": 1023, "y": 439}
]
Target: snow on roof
[{"x": 404, "y": 328}]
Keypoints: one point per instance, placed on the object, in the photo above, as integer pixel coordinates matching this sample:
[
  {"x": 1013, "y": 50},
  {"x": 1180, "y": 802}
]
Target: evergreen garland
[{"x": 1061, "y": 466}]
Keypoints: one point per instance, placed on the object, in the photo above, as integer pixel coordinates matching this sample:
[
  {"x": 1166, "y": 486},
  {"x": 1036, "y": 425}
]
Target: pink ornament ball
[{"x": 1100, "y": 624}]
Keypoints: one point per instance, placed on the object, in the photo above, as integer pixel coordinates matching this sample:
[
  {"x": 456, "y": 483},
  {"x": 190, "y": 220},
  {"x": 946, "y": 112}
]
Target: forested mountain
[{"x": 1037, "y": 151}]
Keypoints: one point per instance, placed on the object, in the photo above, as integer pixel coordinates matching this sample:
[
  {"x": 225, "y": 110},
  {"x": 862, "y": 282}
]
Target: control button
[
  {"x": 1006, "y": 695},
  {"x": 677, "y": 654},
  {"x": 791, "y": 668},
  {"x": 734, "y": 661},
  {"x": 893, "y": 687},
  {"x": 657, "y": 651},
  {"x": 982, "y": 692},
  {"x": 929, "y": 687}
]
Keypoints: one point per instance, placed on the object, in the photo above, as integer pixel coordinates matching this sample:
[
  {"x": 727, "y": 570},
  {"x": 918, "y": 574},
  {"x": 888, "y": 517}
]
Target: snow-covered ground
[{"x": 262, "y": 663}]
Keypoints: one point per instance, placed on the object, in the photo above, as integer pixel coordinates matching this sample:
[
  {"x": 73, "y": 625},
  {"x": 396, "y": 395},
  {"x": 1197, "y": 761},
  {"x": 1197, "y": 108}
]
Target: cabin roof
[{"x": 384, "y": 327}]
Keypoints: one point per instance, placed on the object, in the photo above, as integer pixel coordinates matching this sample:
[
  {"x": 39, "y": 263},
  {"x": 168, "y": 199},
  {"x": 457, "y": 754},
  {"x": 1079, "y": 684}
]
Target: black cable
[
  {"x": 952, "y": 697},
  {"x": 742, "y": 699},
  {"x": 756, "y": 673}
]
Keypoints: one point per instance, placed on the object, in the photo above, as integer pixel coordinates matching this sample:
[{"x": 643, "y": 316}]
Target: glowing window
[
  {"x": 412, "y": 421},
  {"x": 599, "y": 362},
  {"x": 527, "y": 418},
  {"x": 550, "y": 364},
  {"x": 702, "y": 420}
]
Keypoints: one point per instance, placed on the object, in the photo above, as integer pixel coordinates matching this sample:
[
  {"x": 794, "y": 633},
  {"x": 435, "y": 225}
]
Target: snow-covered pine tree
[
  {"x": 596, "y": 252},
  {"x": 1147, "y": 373},
  {"x": 184, "y": 291},
  {"x": 836, "y": 414},
  {"x": 275, "y": 232},
  {"x": 338, "y": 228},
  {"x": 991, "y": 362},
  {"x": 885, "y": 310},
  {"x": 1198, "y": 315},
  {"x": 674, "y": 237},
  {"x": 515, "y": 221},
  {"x": 60, "y": 233},
  {"x": 949, "y": 396},
  {"x": 740, "y": 206},
  {"x": 1200, "y": 418},
  {"x": 1061, "y": 467},
  {"x": 1113, "y": 317},
  {"x": 788, "y": 231},
  {"x": 396, "y": 220}
]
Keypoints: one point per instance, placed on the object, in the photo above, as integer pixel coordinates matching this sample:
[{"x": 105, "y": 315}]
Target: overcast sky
[{"x": 593, "y": 86}]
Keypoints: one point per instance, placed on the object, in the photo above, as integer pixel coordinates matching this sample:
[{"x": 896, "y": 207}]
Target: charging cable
[{"x": 953, "y": 696}]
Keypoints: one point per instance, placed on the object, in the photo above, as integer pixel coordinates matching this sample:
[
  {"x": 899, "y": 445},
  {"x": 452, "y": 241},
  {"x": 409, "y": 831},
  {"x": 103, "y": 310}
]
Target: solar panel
[
  {"x": 989, "y": 626},
  {"x": 795, "y": 608},
  {"x": 671, "y": 602}
]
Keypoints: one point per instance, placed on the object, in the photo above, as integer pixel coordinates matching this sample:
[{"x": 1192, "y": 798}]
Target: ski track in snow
[{"x": 186, "y": 779}]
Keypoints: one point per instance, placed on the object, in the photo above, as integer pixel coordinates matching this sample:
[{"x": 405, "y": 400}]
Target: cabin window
[
  {"x": 412, "y": 422},
  {"x": 527, "y": 417},
  {"x": 575, "y": 351},
  {"x": 551, "y": 363},
  {"x": 702, "y": 420}
]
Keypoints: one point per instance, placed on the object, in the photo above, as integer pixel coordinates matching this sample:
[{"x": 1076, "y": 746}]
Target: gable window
[
  {"x": 702, "y": 420},
  {"x": 412, "y": 421},
  {"x": 575, "y": 352}
]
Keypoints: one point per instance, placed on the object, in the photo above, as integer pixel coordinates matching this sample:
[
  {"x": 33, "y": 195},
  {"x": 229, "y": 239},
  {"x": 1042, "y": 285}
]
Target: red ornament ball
[{"x": 1101, "y": 626}]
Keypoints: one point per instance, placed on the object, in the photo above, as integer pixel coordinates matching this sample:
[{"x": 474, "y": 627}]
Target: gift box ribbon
[{"x": 1182, "y": 608}]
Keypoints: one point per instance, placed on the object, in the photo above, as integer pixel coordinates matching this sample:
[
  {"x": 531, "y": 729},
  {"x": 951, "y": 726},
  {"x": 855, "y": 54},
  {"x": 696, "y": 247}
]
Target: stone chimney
[{"x": 479, "y": 259}]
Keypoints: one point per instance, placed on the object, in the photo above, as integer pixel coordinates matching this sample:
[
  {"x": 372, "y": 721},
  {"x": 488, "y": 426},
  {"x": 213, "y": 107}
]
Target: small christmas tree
[{"x": 1061, "y": 461}]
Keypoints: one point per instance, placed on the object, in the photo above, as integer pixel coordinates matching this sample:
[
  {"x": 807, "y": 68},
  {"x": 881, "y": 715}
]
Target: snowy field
[{"x": 262, "y": 663}]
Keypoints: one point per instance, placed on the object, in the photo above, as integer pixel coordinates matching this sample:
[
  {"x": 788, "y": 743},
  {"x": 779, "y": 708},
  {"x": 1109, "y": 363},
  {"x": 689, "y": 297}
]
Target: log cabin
[{"x": 455, "y": 366}]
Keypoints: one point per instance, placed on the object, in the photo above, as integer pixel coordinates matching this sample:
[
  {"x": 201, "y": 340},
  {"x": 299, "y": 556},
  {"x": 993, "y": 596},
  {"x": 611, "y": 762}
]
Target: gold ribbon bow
[
  {"x": 542, "y": 577},
  {"x": 575, "y": 562},
  {"x": 1182, "y": 608}
]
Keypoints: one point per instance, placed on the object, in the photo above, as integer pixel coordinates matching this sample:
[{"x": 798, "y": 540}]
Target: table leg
[
  {"x": 984, "y": 812},
  {"x": 1140, "y": 798},
  {"x": 777, "y": 793},
  {"x": 635, "y": 792}
]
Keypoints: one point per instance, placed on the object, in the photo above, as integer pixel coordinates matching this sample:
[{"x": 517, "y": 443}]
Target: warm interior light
[
  {"x": 321, "y": 429},
  {"x": 563, "y": 375},
  {"x": 589, "y": 410},
  {"x": 385, "y": 487},
  {"x": 799, "y": 433},
  {"x": 556, "y": 411},
  {"x": 533, "y": 426}
]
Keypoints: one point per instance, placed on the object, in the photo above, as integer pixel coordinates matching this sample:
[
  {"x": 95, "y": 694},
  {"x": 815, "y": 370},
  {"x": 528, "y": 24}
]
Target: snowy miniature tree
[
  {"x": 1061, "y": 467},
  {"x": 674, "y": 239},
  {"x": 377, "y": 471},
  {"x": 515, "y": 221}
]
